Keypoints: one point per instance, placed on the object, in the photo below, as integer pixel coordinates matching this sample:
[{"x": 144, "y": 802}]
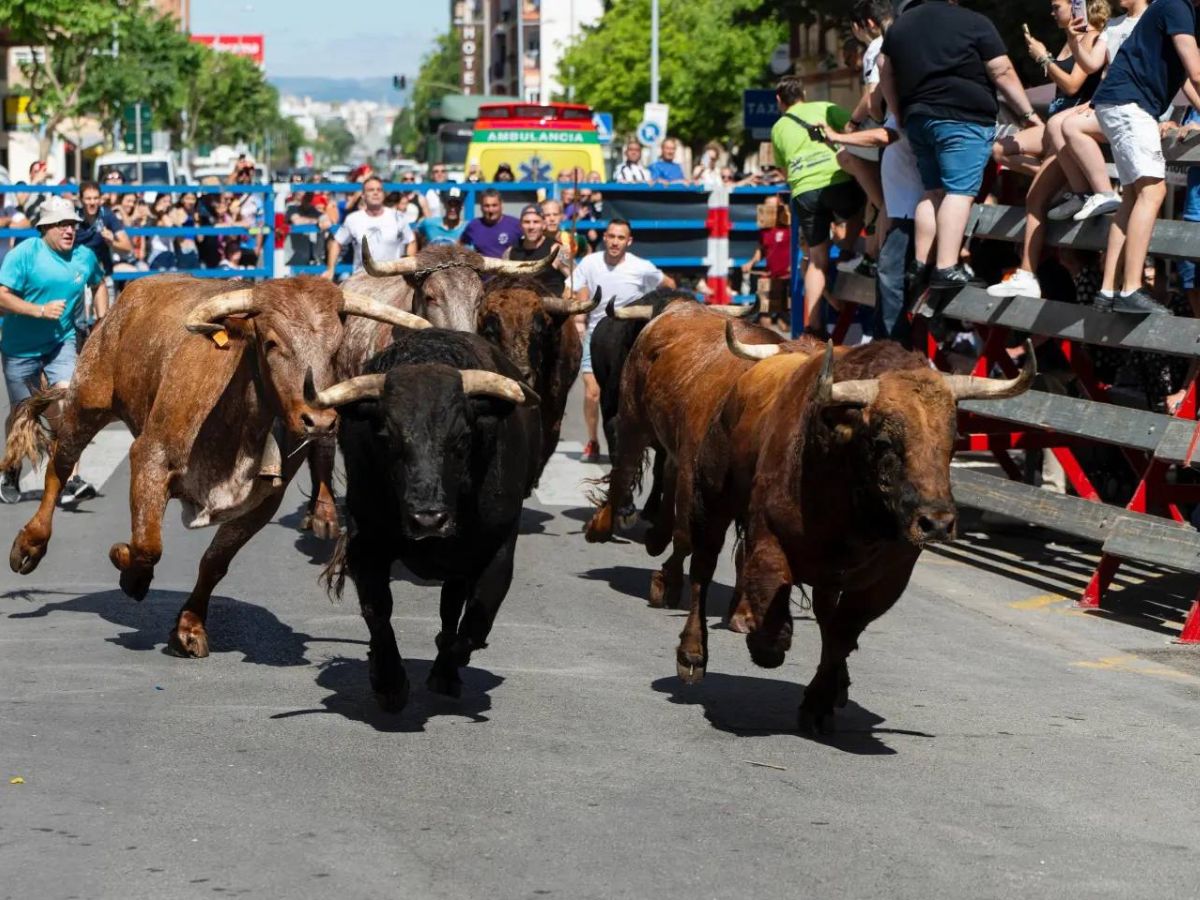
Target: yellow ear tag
[{"x": 220, "y": 338}]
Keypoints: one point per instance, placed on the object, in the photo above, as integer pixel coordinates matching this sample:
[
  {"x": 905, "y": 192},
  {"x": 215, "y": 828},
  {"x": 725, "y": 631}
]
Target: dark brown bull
[
  {"x": 837, "y": 467},
  {"x": 216, "y": 408},
  {"x": 442, "y": 284},
  {"x": 536, "y": 332},
  {"x": 675, "y": 377}
]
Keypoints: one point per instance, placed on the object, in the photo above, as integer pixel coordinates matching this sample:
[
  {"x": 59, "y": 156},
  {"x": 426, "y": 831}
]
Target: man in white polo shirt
[
  {"x": 386, "y": 230},
  {"x": 623, "y": 278}
]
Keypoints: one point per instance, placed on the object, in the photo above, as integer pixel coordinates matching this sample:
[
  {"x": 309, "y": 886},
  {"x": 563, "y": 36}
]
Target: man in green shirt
[{"x": 821, "y": 191}]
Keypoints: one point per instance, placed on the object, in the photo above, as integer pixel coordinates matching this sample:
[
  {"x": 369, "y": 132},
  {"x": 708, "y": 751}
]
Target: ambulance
[{"x": 538, "y": 142}]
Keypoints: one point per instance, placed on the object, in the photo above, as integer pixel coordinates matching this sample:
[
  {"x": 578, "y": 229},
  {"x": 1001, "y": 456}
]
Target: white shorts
[{"x": 1136, "y": 144}]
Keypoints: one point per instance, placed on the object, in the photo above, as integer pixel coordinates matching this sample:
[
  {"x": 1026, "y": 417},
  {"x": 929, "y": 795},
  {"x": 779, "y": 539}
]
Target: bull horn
[
  {"x": 482, "y": 383},
  {"x": 637, "y": 312},
  {"x": 971, "y": 387},
  {"x": 748, "y": 351},
  {"x": 509, "y": 267},
  {"x": 854, "y": 393},
  {"x": 206, "y": 318},
  {"x": 405, "y": 266},
  {"x": 557, "y": 306},
  {"x": 369, "y": 308},
  {"x": 359, "y": 388},
  {"x": 733, "y": 310},
  {"x": 825, "y": 379}
]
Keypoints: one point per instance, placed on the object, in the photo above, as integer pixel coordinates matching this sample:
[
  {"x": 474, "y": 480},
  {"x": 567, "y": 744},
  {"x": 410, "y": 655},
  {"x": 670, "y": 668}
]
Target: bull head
[
  {"x": 475, "y": 383},
  {"x": 409, "y": 265},
  {"x": 560, "y": 308},
  {"x": 645, "y": 313}
]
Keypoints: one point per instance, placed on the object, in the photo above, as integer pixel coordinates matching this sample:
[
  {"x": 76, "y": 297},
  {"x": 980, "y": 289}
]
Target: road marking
[
  {"x": 101, "y": 458},
  {"x": 564, "y": 480},
  {"x": 1041, "y": 601},
  {"x": 1134, "y": 666}
]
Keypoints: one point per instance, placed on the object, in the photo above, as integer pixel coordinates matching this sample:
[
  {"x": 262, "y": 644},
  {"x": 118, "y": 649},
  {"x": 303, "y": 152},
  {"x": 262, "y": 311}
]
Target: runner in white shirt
[
  {"x": 622, "y": 278},
  {"x": 386, "y": 230}
]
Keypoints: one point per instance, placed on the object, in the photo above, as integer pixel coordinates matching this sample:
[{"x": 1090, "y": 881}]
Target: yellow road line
[
  {"x": 1041, "y": 601},
  {"x": 1134, "y": 666}
]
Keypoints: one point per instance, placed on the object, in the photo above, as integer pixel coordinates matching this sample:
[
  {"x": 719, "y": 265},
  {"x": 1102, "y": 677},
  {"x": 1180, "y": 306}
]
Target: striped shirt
[{"x": 631, "y": 173}]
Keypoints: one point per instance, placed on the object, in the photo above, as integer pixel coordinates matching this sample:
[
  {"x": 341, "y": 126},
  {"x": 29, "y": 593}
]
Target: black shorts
[{"x": 816, "y": 210}]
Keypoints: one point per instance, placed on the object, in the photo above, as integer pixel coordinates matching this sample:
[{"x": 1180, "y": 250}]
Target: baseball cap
[
  {"x": 531, "y": 208},
  {"x": 55, "y": 211},
  {"x": 452, "y": 197}
]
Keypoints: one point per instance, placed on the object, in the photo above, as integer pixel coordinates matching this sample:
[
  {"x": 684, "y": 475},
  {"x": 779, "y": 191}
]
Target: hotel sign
[{"x": 468, "y": 22}]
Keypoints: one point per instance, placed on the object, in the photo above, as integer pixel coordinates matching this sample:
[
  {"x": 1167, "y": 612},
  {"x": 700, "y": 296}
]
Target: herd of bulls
[{"x": 445, "y": 378}]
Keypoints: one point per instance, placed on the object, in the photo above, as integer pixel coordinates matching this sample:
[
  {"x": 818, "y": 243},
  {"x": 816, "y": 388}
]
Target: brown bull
[
  {"x": 216, "y": 408},
  {"x": 442, "y": 284},
  {"x": 675, "y": 377},
  {"x": 536, "y": 332},
  {"x": 837, "y": 469}
]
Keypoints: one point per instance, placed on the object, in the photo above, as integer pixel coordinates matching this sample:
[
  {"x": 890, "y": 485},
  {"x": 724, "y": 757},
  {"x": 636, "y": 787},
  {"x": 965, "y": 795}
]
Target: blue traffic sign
[
  {"x": 759, "y": 109},
  {"x": 604, "y": 126},
  {"x": 649, "y": 132}
]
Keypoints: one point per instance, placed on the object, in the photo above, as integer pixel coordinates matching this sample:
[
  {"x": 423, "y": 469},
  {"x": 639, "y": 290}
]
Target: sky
[{"x": 357, "y": 39}]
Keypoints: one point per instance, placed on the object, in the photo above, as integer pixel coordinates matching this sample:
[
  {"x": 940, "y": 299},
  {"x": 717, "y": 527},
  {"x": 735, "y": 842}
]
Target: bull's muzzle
[
  {"x": 318, "y": 421},
  {"x": 427, "y": 523},
  {"x": 935, "y": 524}
]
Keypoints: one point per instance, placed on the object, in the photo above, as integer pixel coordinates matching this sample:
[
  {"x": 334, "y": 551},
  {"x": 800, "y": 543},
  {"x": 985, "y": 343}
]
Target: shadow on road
[
  {"x": 352, "y": 697},
  {"x": 233, "y": 626},
  {"x": 316, "y": 549},
  {"x": 634, "y": 582},
  {"x": 748, "y": 706},
  {"x": 533, "y": 521}
]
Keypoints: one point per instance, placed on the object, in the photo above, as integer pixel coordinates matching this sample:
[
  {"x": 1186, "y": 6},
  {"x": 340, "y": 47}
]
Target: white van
[{"x": 157, "y": 168}]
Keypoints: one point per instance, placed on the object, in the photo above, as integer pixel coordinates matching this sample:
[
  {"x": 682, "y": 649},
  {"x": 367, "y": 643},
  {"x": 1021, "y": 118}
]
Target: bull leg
[
  {"x": 74, "y": 429},
  {"x": 841, "y": 625},
  {"x": 632, "y": 439},
  {"x": 443, "y": 675},
  {"x": 654, "y": 497},
  {"x": 737, "y": 618},
  {"x": 663, "y": 521},
  {"x": 148, "y": 489},
  {"x": 691, "y": 657},
  {"x": 484, "y": 596},
  {"x": 766, "y": 581},
  {"x": 666, "y": 584},
  {"x": 370, "y": 570},
  {"x": 321, "y": 517},
  {"x": 190, "y": 638}
]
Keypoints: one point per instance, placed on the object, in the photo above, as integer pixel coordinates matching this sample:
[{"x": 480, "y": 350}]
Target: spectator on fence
[
  {"x": 10, "y": 217},
  {"x": 161, "y": 253},
  {"x": 213, "y": 213},
  {"x": 665, "y": 170},
  {"x": 552, "y": 215},
  {"x": 408, "y": 203},
  {"x": 1079, "y": 137},
  {"x": 493, "y": 232},
  {"x": 1154, "y": 63},
  {"x": 821, "y": 191},
  {"x": 232, "y": 253},
  {"x": 534, "y": 244},
  {"x": 473, "y": 176},
  {"x": 42, "y": 286},
  {"x": 504, "y": 172},
  {"x": 1050, "y": 176},
  {"x": 386, "y": 230},
  {"x": 99, "y": 229},
  {"x": 775, "y": 248},
  {"x": 30, "y": 203},
  {"x": 449, "y": 226},
  {"x": 623, "y": 278},
  {"x": 707, "y": 172},
  {"x": 249, "y": 212},
  {"x": 941, "y": 68},
  {"x": 186, "y": 254},
  {"x": 301, "y": 211},
  {"x": 131, "y": 213},
  {"x": 431, "y": 200},
  {"x": 631, "y": 171}
]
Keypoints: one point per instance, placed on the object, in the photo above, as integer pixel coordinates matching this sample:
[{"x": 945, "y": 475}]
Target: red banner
[{"x": 250, "y": 45}]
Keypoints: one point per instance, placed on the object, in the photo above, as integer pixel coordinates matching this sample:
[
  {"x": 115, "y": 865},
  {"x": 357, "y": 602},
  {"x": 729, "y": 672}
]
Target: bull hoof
[
  {"x": 444, "y": 684},
  {"x": 656, "y": 542},
  {"x": 325, "y": 529},
  {"x": 25, "y": 554},
  {"x": 600, "y": 528},
  {"x": 690, "y": 671},
  {"x": 658, "y": 590},
  {"x": 136, "y": 583},
  {"x": 189, "y": 642},
  {"x": 741, "y": 622},
  {"x": 307, "y": 522},
  {"x": 768, "y": 654},
  {"x": 816, "y": 724},
  {"x": 393, "y": 701}
]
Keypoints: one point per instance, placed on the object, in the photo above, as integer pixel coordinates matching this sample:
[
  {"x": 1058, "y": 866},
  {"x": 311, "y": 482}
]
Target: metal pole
[
  {"x": 137, "y": 137},
  {"x": 521, "y": 50},
  {"x": 653, "y": 51}
]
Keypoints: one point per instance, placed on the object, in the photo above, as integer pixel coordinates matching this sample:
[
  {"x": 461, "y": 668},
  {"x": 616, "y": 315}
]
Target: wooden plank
[
  {"x": 1165, "y": 436},
  {"x": 1172, "y": 239},
  {"x": 1124, "y": 534},
  {"x": 1185, "y": 152},
  {"x": 1173, "y": 335},
  {"x": 854, "y": 288}
]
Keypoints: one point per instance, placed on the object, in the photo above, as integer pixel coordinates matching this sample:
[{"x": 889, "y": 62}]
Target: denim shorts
[
  {"x": 1191, "y": 213},
  {"x": 585, "y": 366},
  {"x": 23, "y": 374},
  {"x": 951, "y": 155}
]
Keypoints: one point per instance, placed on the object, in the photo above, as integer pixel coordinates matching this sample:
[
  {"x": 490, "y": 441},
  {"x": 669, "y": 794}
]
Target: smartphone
[
  {"x": 1025, "y": 27},
  {"x": 1078, "y": 9}
]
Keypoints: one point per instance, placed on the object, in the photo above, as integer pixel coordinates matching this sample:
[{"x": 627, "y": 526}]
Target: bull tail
[
  {"x": 29, "y": 437},
  {"x": 601, "y": 488},
  {"x": 333, "y": 576}
]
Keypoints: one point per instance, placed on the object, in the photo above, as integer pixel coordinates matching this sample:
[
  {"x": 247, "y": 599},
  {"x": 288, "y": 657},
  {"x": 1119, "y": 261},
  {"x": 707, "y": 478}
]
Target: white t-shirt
[
  {"x": 623, "y": 283},
  {"x": 1115, "y": 32},
  {"x": 902, "y": 185},
  {"x": 433, "y": 202},
  {"x": 871, "y": 61},
  {"x": 388, "y": 234}
]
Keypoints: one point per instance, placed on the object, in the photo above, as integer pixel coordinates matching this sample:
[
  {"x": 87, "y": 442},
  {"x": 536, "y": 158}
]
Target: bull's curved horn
[
  {"x": 733, "y": 310},
  {"x": 369, "y": 308},
  {"x": 854, "y": 393},
  {"x": 970, "y": 387},
  {"x": 482, "y": 383},
  {"x": 511, "y": 267},
  {"x": 405, "y": 266},
  {"x": 206, "y": 318},
  {"x": 359, "y": 388},
  {"x": 637, "y": 312},
  {"x": 825, "y": 379},
  {"x": 557, "y": 306},
  {"x": 748, "y": 351}
]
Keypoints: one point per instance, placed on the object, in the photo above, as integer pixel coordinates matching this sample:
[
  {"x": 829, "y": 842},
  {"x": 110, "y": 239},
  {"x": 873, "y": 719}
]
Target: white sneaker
[
  {"x": 1018, "y": 284},
  {"x": 1070, "y": 205},
  {"x": 1098, "y": 205}
]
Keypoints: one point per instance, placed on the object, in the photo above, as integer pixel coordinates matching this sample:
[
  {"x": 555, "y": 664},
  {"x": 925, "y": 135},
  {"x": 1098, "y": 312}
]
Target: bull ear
[{"x": 844, "y": 422}]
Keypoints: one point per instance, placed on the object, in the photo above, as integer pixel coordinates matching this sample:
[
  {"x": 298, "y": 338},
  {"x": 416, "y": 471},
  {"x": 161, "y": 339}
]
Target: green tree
[
  {"x": 334, "y": 142},
  {"x": 439, "y": 75},
  {"x": 709, "y": 53},
  {"x": 75, "y": 35},
  {"x": 224, "y": 99}
]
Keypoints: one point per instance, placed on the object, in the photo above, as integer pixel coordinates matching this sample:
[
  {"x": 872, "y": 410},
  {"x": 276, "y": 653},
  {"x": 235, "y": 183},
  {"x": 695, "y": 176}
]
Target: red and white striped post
[{"x": 718, "y": 245}]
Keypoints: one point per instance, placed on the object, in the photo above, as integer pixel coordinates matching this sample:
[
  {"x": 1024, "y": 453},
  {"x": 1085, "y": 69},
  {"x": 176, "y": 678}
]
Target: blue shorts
[
  {"x": 951, "y": 156},
  {"x": 585, "y": 367},
  {"x": 23, "y": 374}
]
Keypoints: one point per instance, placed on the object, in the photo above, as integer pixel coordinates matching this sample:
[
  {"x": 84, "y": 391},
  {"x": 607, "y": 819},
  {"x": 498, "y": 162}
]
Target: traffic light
[{"x": 399, "y": 82}]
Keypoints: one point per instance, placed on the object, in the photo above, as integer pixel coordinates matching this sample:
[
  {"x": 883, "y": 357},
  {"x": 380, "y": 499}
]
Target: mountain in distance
[{"x": 332, "y": 90}]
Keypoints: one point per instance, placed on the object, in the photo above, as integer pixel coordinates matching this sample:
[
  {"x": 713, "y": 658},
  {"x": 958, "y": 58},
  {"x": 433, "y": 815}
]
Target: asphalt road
[{"x": 997, "y": 743}]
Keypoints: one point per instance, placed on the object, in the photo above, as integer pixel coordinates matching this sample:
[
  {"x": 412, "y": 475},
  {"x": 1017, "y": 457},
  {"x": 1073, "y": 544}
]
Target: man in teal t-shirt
[
  {"x": 449, "y": 228},
  {"x": 42, "y": 285},
  {"x": 821, "y": 191}
]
